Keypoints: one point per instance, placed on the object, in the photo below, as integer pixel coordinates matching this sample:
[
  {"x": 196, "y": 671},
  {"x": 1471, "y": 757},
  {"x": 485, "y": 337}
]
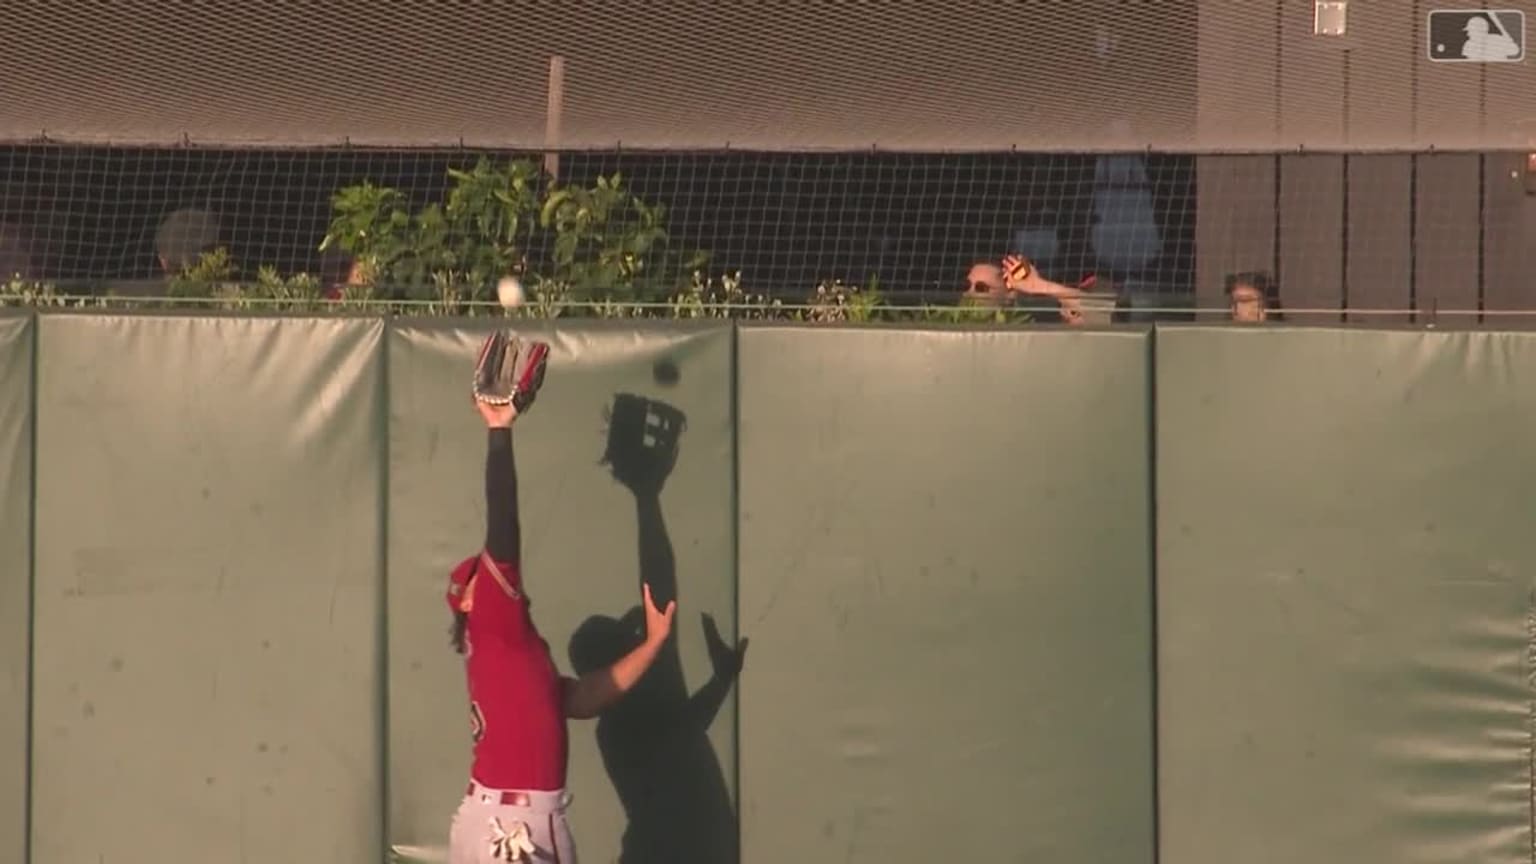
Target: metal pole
[{"x": 554, "y": 109}]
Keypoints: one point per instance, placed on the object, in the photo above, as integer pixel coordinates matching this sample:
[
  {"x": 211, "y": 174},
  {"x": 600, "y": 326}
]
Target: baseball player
[{"x": 515, "y": 806}]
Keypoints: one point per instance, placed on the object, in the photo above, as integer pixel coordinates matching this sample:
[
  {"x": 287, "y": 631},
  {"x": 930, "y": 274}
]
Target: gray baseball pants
[{"x": 496, "y": 826}]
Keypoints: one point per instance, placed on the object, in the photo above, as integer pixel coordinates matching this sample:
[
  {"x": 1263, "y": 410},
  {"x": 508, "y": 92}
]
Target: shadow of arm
[
  {"x": 705, "y": 705},
  {"x": 726, "y": 661},
  {"x": 658, "y": 563}
]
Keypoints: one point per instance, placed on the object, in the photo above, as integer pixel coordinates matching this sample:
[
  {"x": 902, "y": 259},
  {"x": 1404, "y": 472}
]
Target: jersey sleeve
[
  {"x": 500, "y": 610},
  {"x": 503, "y": 530},
  {"x": 499, "y": 606}
]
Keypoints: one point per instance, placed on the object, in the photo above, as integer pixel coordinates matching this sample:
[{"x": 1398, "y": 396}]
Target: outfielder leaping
[{"x": 514, "y": 808}]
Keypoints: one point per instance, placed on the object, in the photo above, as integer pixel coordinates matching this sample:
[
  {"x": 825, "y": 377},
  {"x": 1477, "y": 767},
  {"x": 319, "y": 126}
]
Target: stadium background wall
[
  {"x": 1011, "y": 595},
  {"x": 1345, "y": 232}
]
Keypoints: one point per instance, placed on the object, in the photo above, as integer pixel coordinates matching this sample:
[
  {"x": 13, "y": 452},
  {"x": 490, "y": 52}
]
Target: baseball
[{"x": 510, "y": 292}]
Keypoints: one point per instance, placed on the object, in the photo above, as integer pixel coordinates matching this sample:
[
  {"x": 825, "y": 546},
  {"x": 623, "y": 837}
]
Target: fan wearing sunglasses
[{"x": 1003, "y": 285}]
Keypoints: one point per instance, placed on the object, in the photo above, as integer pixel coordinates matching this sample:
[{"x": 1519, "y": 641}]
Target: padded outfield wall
[{"x": 1188, "y": 595}]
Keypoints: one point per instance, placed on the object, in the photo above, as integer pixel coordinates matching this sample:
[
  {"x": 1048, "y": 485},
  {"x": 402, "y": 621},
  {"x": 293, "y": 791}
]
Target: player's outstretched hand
[
  {"x": 658, "y": 622},
  {"x": 496, "y": 416}
]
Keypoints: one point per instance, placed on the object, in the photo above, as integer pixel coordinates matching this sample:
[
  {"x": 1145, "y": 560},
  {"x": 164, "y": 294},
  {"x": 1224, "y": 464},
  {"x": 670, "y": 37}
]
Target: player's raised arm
[
  {"x": 508, "y": 376},
  {"x": 503, "y": 531}
]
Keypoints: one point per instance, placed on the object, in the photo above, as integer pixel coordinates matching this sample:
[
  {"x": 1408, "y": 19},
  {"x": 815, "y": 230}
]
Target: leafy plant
[
  {"x": 601, "y": 243},
  {"x": 609, "y": 241},
  {"x": 299, "y": 292},
  {"x": 354, "y": 295},
  {"x": 212, "y": 273},
  {"x": 375, "y": 226},
  {"x": 25, "y": 292},
  {"x": 548, "y": 299},
  {"x": 490, "y": 216},
  {"x": 971, "y": 309},
  {"x": 450, "y": 291},
  {"x": 702, "y": 299},
  {"x": 837, "y": 301},
  {"x": 43, "y": 295},
  {"x": 214, "y": 276}
]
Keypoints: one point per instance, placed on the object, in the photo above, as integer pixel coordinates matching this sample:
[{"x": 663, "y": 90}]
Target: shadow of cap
[{"x": 601, "y": 640}]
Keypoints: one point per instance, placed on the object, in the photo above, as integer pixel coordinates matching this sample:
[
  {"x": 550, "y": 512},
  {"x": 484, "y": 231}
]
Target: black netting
[{"x": 785, "y": 221}]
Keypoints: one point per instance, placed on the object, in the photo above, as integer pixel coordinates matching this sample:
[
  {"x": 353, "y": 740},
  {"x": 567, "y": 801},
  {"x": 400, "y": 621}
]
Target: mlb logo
[{"x": 1476, "y": 36}]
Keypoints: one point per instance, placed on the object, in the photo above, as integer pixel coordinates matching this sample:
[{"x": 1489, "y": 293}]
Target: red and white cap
[{"x": 461, "y": 593}]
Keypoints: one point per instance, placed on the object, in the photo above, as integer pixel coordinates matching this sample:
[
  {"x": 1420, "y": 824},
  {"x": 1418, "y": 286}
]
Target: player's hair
[{"x": 456, "y": 632}]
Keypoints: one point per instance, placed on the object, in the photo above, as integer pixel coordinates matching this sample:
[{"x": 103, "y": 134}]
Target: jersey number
[{"x": 476, "y": 722}]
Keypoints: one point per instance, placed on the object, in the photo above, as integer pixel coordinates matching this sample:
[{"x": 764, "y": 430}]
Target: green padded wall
[
  {"x": 1345, "y": 595},
  {"x": 209, "y": 574},
  {"x": 16, "y": 333},
  {"x": 582, "y": 546},
  {"x": 945, "y": 574}
]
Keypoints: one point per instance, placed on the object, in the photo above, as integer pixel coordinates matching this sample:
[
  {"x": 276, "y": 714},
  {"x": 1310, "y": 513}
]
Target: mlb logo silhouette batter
[{"x": 1476, "y": 35}]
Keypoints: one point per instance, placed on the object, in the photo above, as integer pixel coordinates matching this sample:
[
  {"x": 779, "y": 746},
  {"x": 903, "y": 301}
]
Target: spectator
[
  {"x": 16, "y": 258},
  {"x": 1020, "y": 276},
  {"x": 183, "y": 237},
  {"x": 1254, "y": 297},
  {"x": 986, "y": 287},
  {"x": 984, "y": 283},
  {"x": 337, "y": 271},
  {"x": 993, "y": 285}
]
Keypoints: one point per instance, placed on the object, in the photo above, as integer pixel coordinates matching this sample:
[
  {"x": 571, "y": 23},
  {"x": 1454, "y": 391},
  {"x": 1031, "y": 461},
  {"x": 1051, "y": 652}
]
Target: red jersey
[{"x": 516, "y": 695}]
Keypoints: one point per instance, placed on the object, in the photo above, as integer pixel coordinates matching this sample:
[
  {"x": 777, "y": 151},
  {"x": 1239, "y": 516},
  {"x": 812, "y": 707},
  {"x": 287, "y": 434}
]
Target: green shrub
[{"x": 601, "y": 244}]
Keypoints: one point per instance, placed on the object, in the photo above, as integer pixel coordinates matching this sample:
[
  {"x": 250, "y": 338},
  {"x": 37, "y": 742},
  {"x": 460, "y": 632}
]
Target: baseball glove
[{"x": 510, "y": 370}]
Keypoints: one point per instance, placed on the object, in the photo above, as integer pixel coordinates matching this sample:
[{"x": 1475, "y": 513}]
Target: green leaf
[
  {"x": 551, "y": 205},
  {"x": 565, "y": 249}
]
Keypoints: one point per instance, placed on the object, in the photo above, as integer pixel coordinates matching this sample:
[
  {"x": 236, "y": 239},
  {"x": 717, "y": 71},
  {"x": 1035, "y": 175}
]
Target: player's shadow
[{"x": 654, "y": 743}]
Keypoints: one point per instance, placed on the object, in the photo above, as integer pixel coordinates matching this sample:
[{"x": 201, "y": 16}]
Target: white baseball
[{"x": 509, "y": 291}]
